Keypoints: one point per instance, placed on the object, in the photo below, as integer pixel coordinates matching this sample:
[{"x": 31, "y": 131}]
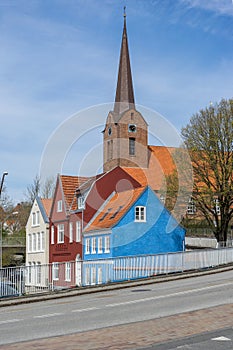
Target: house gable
[{"x": 159, "y": 233}]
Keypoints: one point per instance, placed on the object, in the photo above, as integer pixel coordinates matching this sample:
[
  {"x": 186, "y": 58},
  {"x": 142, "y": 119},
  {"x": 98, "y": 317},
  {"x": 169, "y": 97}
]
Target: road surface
[{"x": 27, "y": 322}]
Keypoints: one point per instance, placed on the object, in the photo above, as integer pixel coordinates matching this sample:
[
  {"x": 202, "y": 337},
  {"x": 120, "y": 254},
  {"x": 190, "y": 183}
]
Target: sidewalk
[{"x": 137, "y": 335}]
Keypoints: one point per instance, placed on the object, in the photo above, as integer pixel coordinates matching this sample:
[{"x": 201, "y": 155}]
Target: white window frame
[
  {"x": 71, "y": 232},
  {"x": 100, "y": 245},
  {"x": 87, "y": 246},
  {"x": 78, "y": 231},
  {"x": 60, "y": 233},
  {"x": 93, "y": 245},
  {"x": 140, "y": 213},
  {"x": 29, "y": 242},
  {"x": 191, "y": 208},
  {"x": 33, "y": 219},
  {"x": 34, "y": 242},
  {"x": 55, "y": 271},
  {"x": 42, "y": 244},
  {"x": 37, "y": 218},
  {"x": 107, "y": 244},
  {"x": 81, "y": 202},
  {"x": 59, "y": 206},
  {"x": 52, "y": 234},
  {"x": 68, "y": 271},
  {"x": 38, "y": 242}
]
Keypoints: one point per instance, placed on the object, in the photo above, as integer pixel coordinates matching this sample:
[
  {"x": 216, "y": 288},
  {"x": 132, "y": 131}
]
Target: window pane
[{"x": 132, "y": 146}]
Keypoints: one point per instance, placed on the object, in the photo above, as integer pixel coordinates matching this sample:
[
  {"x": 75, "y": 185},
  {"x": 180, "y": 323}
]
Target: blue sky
[{"x": 59, "y": 57}]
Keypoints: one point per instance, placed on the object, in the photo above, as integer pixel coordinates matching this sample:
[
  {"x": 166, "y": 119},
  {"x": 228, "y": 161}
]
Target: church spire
[{"x": 124, "y": 98}]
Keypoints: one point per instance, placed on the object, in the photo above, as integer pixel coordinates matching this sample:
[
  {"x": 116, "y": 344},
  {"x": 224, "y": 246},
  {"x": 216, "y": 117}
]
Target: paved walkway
[{"x": 137, "y": 335}]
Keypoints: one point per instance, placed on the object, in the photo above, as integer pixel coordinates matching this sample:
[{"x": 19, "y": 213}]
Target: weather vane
[{"x": 124, "y": 11}]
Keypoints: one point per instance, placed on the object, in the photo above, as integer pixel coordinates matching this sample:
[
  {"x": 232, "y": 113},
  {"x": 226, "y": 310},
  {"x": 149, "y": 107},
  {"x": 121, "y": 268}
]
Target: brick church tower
[{"x": 125, "y": 133}]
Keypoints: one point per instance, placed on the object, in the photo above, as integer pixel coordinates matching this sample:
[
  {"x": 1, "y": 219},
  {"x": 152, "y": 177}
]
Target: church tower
[{"x": 125, "y": 133}]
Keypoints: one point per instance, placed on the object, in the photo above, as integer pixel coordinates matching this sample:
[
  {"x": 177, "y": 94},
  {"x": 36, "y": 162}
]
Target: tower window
[
  {"x": 110, "y": 149},
  {"x": 132, "y": 146}
]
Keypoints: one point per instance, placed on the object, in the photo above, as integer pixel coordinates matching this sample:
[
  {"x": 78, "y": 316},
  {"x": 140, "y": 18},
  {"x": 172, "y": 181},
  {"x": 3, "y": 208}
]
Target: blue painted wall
[
  {"x": 159, "y": 234},
  {"x": 97, "y": 255}
]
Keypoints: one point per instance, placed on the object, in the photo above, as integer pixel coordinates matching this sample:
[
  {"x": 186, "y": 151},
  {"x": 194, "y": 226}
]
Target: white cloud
[{"x": 219, "y": 7}]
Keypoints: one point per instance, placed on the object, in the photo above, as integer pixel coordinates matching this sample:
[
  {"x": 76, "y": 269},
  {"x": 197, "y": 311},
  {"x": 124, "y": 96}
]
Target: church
[{"x": 117, "y": 212}]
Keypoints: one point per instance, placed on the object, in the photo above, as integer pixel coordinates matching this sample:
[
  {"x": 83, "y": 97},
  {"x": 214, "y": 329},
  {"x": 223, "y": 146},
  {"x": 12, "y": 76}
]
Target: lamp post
[
  {"x": 1, "y": 186},
  {"x": 1, "y": 231}
]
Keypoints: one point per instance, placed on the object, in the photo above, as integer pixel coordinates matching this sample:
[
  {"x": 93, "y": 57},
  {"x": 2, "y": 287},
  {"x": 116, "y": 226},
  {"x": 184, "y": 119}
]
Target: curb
[{"x": 113, "y": 286}]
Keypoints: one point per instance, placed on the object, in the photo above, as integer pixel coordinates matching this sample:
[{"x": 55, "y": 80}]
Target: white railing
[{"x": 44, "y": 278}]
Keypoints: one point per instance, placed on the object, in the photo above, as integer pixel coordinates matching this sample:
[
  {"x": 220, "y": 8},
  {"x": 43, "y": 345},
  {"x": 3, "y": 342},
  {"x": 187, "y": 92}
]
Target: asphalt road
[{"x": 93, "y": 311}]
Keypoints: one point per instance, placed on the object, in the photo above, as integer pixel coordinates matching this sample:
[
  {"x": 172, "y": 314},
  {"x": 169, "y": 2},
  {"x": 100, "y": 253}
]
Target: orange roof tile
[
  {"x": 114, "y": 209},
  {"x": 139, "y": 174},
  {"x": 161, "y": 164},
  {"x": 47, "y": 204},
  {"x": 69, "y": 185}
]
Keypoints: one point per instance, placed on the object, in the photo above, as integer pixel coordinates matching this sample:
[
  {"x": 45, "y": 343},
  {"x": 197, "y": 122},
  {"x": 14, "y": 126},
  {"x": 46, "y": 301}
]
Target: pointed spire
[{"x": 124, "y": 93}]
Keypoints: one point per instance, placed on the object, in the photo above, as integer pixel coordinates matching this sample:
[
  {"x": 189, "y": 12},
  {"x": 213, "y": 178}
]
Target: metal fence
[{"x": 43, "y": 278}]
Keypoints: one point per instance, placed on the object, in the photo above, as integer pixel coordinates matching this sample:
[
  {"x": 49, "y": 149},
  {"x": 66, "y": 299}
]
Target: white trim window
[
  {"x": 34, "y": 242},
  {"x": 38, "y": 242},
  {"x": 36, "y": 218},
  {"x": 106, "y": 244},
  {"x": 81, "y": 202},
  {"x": 59, "y": 206},
  {"x": 191, "y": 207},
  {"x": 33, "y": 219},
  {"x": 55, "y": 271},
  {"x": 93, "y": 245},
  {"x": 78, "y": 231},
  {"x": 29, "y": 242},
  {"x": 87, "y": 246},
  {"x": 42, "y": 241},
  {"x": 52, "y": 234},
  {"x": 71, "y": 232},
  {"x": 68, "y": 272},
  {"x": 100, "y": 245},
  {"x": 60, "y": 233},
  {"x": 140, "y": 214}
]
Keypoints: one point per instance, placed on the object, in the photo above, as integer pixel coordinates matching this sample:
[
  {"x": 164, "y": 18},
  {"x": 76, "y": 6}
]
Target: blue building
[{"x": 130, "y": 223}]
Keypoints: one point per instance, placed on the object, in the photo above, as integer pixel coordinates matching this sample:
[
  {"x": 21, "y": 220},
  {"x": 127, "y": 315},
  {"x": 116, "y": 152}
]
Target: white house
[{"x": 37, "y": 242}]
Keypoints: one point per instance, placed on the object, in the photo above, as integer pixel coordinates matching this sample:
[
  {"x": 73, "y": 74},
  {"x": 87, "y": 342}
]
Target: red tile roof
[
  {"x": 69, "y": 186},
  {"x": 47, "y": 204},
  {"x": 161, "y": 164},
  {"x": 113, "y": 210}
]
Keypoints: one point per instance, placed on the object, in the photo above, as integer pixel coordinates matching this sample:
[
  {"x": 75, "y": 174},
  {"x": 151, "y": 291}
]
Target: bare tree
[
  {"x": 209, "y": 138},
  {"x": 33, "y": 190},
  {"x": 48, "y": 187}
]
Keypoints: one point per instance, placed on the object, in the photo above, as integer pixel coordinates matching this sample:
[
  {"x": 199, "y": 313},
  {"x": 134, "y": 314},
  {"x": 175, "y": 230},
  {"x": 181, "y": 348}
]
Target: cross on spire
[{"x": 124, "y": 98}]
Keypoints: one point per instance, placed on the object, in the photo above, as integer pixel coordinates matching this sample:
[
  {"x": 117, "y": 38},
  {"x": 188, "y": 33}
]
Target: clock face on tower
[{"x": 132, "y": 128}]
